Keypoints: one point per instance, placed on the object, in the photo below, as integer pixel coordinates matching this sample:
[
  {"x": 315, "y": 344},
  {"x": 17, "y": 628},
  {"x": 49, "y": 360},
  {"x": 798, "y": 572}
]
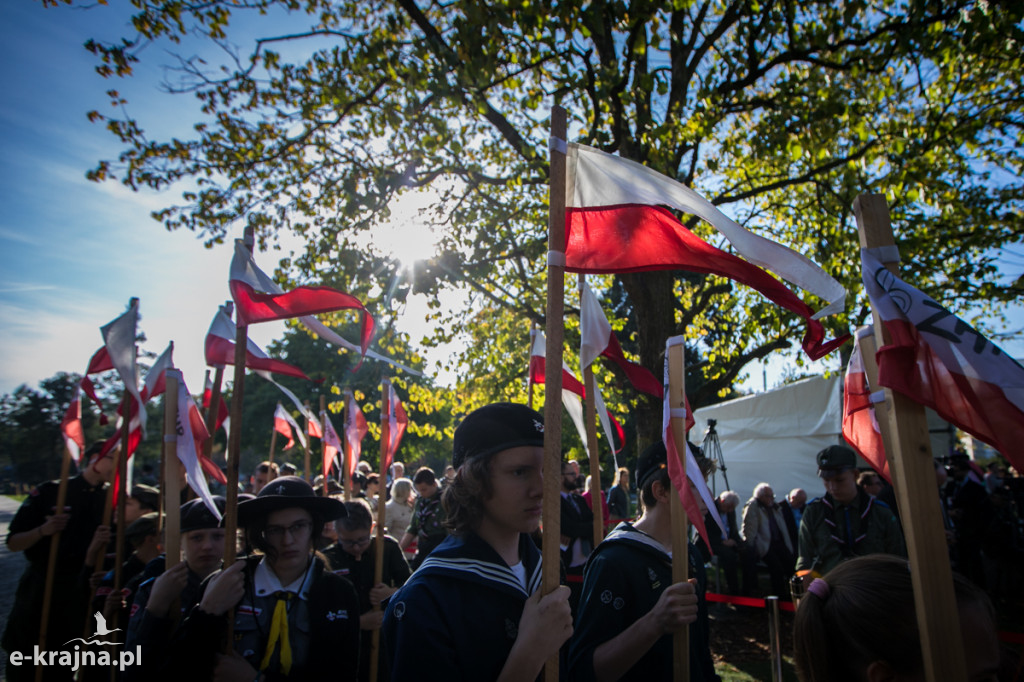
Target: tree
[{"x": 781, "y": 112}]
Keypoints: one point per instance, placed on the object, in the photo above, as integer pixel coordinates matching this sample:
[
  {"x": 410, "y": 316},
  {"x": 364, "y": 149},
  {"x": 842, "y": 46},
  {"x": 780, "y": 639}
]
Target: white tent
[{"x": 773, "y": 437}]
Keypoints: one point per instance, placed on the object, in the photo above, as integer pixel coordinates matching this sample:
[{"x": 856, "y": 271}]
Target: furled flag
[
  {"x": 260, "y": 299},
  {"x": 313, "y": 426},
  {"x": 615, "y": 222},
  {"x": 356, "y": 429},
  {"x": 572, "y": 393},
  {"x": 119, "y": 339},
  {"x": 192, "y": 433},
  {"x": 860, "y": 425},
  {"x": 675, "y": 464},
  {"x": 397, "y": 422},
  {"x": 99, "y": 362},
  {"x": 284, "y": 424},
  {"x": 156, "y": 382},
  {"x": 220, "y": 349},
  {"x": 223, "y": 414},
  {"x": 332, "y": 444},
  {"x": 936, "y": 359},
  {"x": 71, "y": 426}
]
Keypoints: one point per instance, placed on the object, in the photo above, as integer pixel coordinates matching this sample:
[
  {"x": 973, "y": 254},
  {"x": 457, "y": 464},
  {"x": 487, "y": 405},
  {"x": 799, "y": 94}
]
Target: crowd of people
[{"x": 450, "y": 586}]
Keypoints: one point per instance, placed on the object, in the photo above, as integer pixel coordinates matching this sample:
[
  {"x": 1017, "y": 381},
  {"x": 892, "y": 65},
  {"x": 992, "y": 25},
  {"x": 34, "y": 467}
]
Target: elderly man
[
  {"x": 846, "y": 521},
  {"x": 726, "y": 543},
  {"x": 764, "y": 532}
]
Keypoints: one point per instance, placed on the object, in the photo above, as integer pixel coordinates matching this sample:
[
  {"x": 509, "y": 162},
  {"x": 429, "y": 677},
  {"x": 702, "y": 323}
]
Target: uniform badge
[
  {"x": 651, "y": 574},
  {"x": 341, "y": 614},
  {"x": 619, "y": 603},
  {"x": 399, "y": 610},
  {"x": 606, "y": 597},
  {"x": 248, "y": 610},
  {"x": 511, "y": 629}
]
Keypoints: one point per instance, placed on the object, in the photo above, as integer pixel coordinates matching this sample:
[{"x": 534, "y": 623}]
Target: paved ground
[{"x": 11, "y": 566}]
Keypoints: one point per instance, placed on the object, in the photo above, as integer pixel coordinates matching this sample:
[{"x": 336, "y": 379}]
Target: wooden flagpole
[
  {"x": 323, "y": 444},
  {"x": 234, "y": 447},
  {"x": 307, "y": 458},
  {"x": 378, "y": 555},
  {"x": 172, "y": 479},
  {"x": 551, "y": 516},
  {"x": 273, "y": 443},
  {"x": 213, "y": 409},
  {"x": 680, "y": 547},
  {"x": 51, "y": 562},
  {"x": 347, "y": 447},
  {"x": 590, "y": 382},
  {"x": 913, "y": 471}
]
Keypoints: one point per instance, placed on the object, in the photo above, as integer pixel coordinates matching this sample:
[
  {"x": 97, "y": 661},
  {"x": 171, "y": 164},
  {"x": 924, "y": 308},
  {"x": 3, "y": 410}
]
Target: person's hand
[
  {"x": 224, "y": 591},
  {"x": 54, "y": 523},
  {"x": 114, "y": 601},
  {"x": 166, "y": 589},
  {"x": 100, "y": 540},
  {"x": 380, "y": 592},
  {"x": 371, "y": 620},
  {"x": 233, "y": 668},
  {"x": 546, "y": 623},
  {"x": 676, "y": 607}
]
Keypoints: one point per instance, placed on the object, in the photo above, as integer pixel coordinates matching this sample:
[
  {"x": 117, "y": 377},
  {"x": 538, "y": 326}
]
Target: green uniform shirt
[{"x": 831, "y": 532}]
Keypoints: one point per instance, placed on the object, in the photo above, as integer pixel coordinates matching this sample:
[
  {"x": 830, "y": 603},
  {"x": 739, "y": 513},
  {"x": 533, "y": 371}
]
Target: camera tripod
[{"x": 713, "y": 451}]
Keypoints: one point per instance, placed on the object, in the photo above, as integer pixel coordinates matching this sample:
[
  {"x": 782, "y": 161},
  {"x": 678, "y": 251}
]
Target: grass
[
  {"x": 18, "y": 498},
  {"x": 755, "y": 671}
]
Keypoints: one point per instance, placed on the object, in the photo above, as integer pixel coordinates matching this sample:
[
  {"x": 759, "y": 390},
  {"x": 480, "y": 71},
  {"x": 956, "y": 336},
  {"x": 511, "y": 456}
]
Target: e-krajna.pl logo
[{"x": 82, "y": 655}]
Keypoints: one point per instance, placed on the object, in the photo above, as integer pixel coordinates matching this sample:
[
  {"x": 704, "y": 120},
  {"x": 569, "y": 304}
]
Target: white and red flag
[
  {"x": 192, "y": 434},
  {"x": 398, "y": 420},
  {"x": 616, "y": 222},
  {"x": 675, "y": 462},
  {"x": 356, "y": 429},
  {"x": 938, "y": 360},
  {"x": 259, "y": 298},
  {"x": 220, "y": 349},
  {"x": 99, "y": 362},
  {"x": 71, "y": 426},
  {"x": 573, "y": 394},
  {"x": 598, "y": 340},
  {"x": 156, "y": 380},
  {"x": 332, "y": 445},
  {"x": 860, "y": 424},
  {"x": 313, "y": 428},
  {"x": 286, "y": 425},
  {"x": 223, "y": 413},
  {"x": 119, "y": 340}
]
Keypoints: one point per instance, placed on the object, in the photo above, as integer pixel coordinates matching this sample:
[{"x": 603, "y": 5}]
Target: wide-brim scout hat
[
  {"x": 289, "y": 492},
  {"x": 195, "y": 515},
  {"x": 496, "y": 427}
]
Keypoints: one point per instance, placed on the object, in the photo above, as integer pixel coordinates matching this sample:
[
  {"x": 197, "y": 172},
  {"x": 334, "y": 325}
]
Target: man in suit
[
  {"x": 726, "y": 544},
  {"x": 577, "y": 539}
]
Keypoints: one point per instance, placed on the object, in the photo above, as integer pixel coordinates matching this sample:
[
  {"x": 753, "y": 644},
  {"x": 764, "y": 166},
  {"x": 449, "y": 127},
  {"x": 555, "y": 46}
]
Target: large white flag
[
  {"x": 119, "y": 339},
  {"x": 192, "y": 430}
]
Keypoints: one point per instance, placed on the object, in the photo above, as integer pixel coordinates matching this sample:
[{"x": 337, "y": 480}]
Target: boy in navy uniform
[
  {"x": 630, "y": 607},
  {"x": 473, "y": 610}
]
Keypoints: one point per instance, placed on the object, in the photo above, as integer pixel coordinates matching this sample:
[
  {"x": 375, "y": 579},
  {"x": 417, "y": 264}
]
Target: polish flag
[
  {"x": 397, "y": 422},
  {"x": 860, "y": 426},
  {"x": 71, "y": 426},
  {"x": 191, "y": 436},
  {"x": 597, "y": 339},
  {"x": 220, "y": 349},
  {"x": 573, "y": 394},
  {"x": 675, "y": 464},
  {"x": 155, "y": 383},
  {"x": 223, "y": 414},
  {"x": 615, "y": 222},
  {"x": 356, "y": 429},
  {"x": 119, "y": 340},
  {"x": 938, "y": 360},
  {"x": 313, "y": 428},
  {"x": 332, "y": 445},
  {"x": 260, "y": 299},
  {"x": 283, "y": 424},
  {"x": 99, "y": 362}
]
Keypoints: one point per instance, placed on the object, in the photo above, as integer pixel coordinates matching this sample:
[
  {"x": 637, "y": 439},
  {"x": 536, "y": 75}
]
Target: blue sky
[{"x": 73, "y": 252}]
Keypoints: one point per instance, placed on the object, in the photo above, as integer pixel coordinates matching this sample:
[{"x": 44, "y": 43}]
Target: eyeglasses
[
  {"x": 299, "y": 529},
  {"x": 358, "y": 542}
]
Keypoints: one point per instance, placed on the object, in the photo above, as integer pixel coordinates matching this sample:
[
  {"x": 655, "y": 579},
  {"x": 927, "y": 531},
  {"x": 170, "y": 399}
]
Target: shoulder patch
[{"x": 399, "y": 610}]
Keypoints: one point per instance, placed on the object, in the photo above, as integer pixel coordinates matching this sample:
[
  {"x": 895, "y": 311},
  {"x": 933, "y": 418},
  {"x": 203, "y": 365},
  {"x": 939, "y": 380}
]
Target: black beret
[{"x": 496, "y": 427}]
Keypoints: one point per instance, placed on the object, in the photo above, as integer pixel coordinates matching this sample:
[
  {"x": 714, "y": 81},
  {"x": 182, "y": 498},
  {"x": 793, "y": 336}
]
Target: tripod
[{"x": 713, "y": 450}]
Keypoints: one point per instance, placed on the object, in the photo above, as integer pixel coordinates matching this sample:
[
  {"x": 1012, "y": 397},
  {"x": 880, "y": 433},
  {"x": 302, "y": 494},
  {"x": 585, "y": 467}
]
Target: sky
[{"x": 73, "y": 252}]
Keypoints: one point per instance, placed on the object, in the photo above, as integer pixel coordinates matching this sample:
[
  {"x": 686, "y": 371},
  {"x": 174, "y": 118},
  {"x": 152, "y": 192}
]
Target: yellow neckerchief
[{"x": 279, "y": 634}]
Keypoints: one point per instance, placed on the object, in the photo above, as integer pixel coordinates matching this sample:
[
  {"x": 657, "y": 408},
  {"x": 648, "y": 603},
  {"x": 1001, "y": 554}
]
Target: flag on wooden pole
[
  {"x": 356, "y": 429},
  {"x": 615, "y": 222},
  {"x": 397, "y": 421},
  {"x": 286, "y": 425},
  {"x": 220, "y": 349},
  {"x": 331, "y": 445},
  {"x": 860, "y": 425},
  {"x": 119, "y": 340},
  {"x": 938, "y": 360},
  {"x": 191, "y": 429}
]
